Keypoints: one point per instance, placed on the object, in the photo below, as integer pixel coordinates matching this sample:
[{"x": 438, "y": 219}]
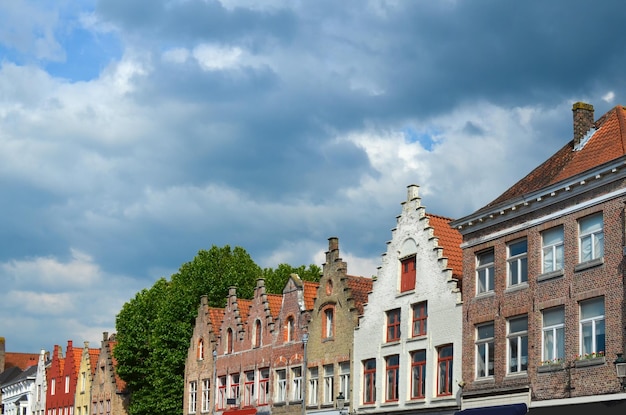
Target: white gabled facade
[
  {"x": 41, "y": 385},
  {"x": 18, "y": 393},
  {"x": 436, "y": 295}
]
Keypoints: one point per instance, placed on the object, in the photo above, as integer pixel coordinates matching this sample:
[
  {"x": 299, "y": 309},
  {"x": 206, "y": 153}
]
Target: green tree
[{"x": 276, "y": 279}]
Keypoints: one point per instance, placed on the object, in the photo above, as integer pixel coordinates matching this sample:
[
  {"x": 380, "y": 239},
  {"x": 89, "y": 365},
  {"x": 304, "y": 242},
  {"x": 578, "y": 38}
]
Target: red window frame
[
  {"x": 235, "y": 380},
  {"x": 420, "y": 315},
  {"x": 392, "y": 376},
  {"x": 444, "y": 370},
  {"x": 369, "y": 381},
  {"x": 221, "y": 392},
  {"x": 418, "y": 374},
  {"x": 248, "y": 388},
  {"x": 407, "y": 274},
  {"x": 393, "y": 325}
]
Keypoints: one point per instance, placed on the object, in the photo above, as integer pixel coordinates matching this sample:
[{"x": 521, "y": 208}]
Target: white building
[
  {"x": 17, "y": 393},
  {"x": 41, "y": 385},
  {"x": 407, "y": 347}
]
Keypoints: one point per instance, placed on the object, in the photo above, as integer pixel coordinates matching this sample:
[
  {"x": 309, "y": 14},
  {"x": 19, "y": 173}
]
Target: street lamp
[
  {"x": 620, "y": 368},
  {"x": 305, "y": 340},
  {"x": 341, "y": 402}
]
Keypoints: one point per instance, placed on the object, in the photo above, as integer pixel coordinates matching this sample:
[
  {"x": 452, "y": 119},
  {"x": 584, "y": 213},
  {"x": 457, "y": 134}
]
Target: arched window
[
  {"x": 328, "y": 325},
  {"x": 290, "y": 328},
  {"x": 257, "y": 333},
  {"x": 229, "y": 341},
  {"x": 200, "y": 350}
]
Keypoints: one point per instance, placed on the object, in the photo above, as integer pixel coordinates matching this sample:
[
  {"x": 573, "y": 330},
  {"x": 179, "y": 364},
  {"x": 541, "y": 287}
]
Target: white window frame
[
  {"x": 313, "y": 385},
  {"x": 552, "y": 252},
  {"x": 552, "y": 351},
  {"x": 591, "y": 234},
  {"x": 484, "y": 344},
  {"x": 296, "y": 383},
  {"x": 329, "y": 384},
  {"x": 485, "y": 278},
  {"x": 517, "y": 263},
  {"x": 593, "y": 321},
  {"x": 206, "y": 395},
  {"x": 517, "y": 342},
  {"x": 193, "y": 391},
  {"x": 281, "y": 385},
  {"x": 344, "y": 379}
]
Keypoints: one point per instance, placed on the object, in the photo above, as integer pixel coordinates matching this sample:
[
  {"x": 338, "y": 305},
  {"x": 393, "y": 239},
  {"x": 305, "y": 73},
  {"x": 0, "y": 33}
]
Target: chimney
[
  {"x": 2, "y": 354},
  {"x": 583, "y": 120},
  {"x": 333, "y": 243},
  {"x": 412, "y": 192}
]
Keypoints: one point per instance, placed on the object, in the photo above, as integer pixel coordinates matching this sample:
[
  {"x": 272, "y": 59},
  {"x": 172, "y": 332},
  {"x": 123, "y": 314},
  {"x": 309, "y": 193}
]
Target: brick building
[
  {"x": 108, "y": 393},
  {"x": 543, "y": 284},
  {"x": 335, "y": 314},
  {"x": 62, "y": 378},
  {"x": 407, "y": 347}
]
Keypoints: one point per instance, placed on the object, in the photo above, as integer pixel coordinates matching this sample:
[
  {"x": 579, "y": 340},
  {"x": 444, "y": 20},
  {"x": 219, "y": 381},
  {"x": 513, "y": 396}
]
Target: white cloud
[
  {"x": 215, "y": 58},
  {"x": 609, "y": 96}
]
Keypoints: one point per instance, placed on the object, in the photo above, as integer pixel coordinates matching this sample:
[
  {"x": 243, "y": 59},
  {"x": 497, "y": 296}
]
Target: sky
[{"x": 135, "y": 133}]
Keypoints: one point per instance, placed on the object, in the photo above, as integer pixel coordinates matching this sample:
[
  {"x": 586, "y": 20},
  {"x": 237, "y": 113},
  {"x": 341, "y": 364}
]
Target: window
[
  {"x": 591, "y": 231},
  {"x": 552, "y": 249},
  {"x": 248, "y": 388},
  {"x": 296, "y": 383},
  {"x": 83, "y": 381},
  {"x": 234, "y": 385},
  {"x": 200, "y": 350},
  {"x": 264, "y": 386},
  {"x": 229, "y": 341},
  {"x": 444, "y": 363},
  {"x": 553, "y": 334},
  {"x": 420, "y": 313},
  {"x": 313, "y": 385},
  {"x": 393, "y": 325},
  {"x": 484, "y": 350},
  {"x": 484, "y": 272},
  {"x": 67, "y": 384},
  {"x": 329, "y": 329},
  {"x": 329, "y": 383},
  {"x": 518, "y": 262},
  {"x": 52, "y": 386},
  {"x": 193, "y": 390},
  {"x": 281, "y": 385},
  {"x": 369, "y": 381},
  {"x": 344, "y": 380},
  {"x": 392, "y": 377},
  {"x": 221, "y": 392},
  {"x": 257, "y": 333},
  {"x": 206, "y": 395},
  {"x": 407, "y": 274},
  {"x": 592, "y": 326},
  {"x": 518, "y": 344},
  {"x": 418, "y": 374},
  {"x": 290, "y": 329}
]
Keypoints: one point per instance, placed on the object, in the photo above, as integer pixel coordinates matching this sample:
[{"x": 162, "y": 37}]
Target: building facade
[
  {"x": 408, "y": 345},
  {"x": 18, "y": 393},
  {"x": 41, "y": 384},
  {"x": 107, "y": 392},
  {"x": 62, "y": 379},
  {"x": 543, "y": 286}
]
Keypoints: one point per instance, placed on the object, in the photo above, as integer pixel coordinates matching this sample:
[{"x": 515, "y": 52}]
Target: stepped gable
[
  {"x": 604, "y": 142},
  {"x": 275, "y": 301},
  {"x": 360, "y": 287},
  {"x": 450, "y": 240},
  {"x": 243, "y": 306},
  {"x": 120, "y": 384}
]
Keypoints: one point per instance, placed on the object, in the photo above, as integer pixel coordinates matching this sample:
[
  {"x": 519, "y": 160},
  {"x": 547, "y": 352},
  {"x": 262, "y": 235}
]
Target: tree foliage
[{"x": 154, "y": 328}]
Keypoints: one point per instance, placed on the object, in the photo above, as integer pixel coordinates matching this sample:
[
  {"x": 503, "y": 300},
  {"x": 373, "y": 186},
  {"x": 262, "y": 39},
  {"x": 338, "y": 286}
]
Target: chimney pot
[{"x": 583, "y": 120}]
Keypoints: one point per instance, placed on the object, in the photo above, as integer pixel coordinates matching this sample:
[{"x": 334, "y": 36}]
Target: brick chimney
[
  {"x": 2, "y": 354},
  {"x": 583, "y": 120}
]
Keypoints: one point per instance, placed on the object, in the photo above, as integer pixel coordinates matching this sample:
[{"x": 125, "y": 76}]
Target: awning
[
  {"x": 514, "y": 409},
  {"x": 244, "y": 411}
]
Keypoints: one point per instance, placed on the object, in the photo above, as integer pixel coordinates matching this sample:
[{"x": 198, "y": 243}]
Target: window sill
[
  {"x": 550, "y": 275},
  {"x": 516, "y": 287},
  {"x": 417, "y": 338},
  {"x": 596, "y": 361},
  {"x": 516, "y": 375},
  {"x": 389, "y": 403},
  {"x": 550, "y": 368},
  {"x": 589, "y": 264},
  {"x": 390, "y": 344},
  {"x": 486, "y": 294}
]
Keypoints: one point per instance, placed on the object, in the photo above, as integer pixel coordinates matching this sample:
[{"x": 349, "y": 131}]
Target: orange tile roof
[
  {"x": 77, "y": 356},
  {"x": 450, "y": 240},
  {"x": 607, "y": 144},
  {"x": 93, "y": 359},
  {"x": 21, "y": 360},
  {"x": 360, "y": 287},
  {"x": 120, "y": 384},
  {"x": 310, "y": 292},
  {"x": 275, "y": 302},
  {"x": 216, "y": 316},
  {"x": 244, "y": 308}
]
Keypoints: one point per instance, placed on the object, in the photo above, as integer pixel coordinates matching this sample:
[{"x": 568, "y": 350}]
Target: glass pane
[
  {"x": 548, "y": 260},
  {"x": 518, "y": 248},
  {"x": 513, "y": 353},
  {"x": 524, "y": 269},
  {"x": 585, "y": 248},
  {"x": 552, "y": 236},
  {"x": 599, "y": 245},
  {"x": 518, "y": 324},
  {"x": 560, "y": 343},
  {"x": 524, "y": 353},
  {"x": 600, "y": 346},
  {"x": 592, "y": 308},
  {"x": 419, "y": 356},
  {"x": 485, "y": 258},
  {"x": 548, "y": 345},
  {"x": 445, "y": 352},
  {"x": 559, "y": 257},
  {"x": 587, "y": 338},
  {"x": 591, "y": 224},
  {"x": 485, "y": 332}
]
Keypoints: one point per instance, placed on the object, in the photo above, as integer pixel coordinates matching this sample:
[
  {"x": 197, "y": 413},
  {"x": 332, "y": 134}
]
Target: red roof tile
[
  {"x": 21, "y": 360},
  {"x": 216, "y": 316},
  {"x": 93, "y": 359},
  {"x": 244, "y": 308},
  {"x": 607, "y": 144},
  {"x": 360, "y": 287},
  {"x": 310, "y": 292},
  {"x": 275, "y": 302},
  {"x": 450, "y": 240}
]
